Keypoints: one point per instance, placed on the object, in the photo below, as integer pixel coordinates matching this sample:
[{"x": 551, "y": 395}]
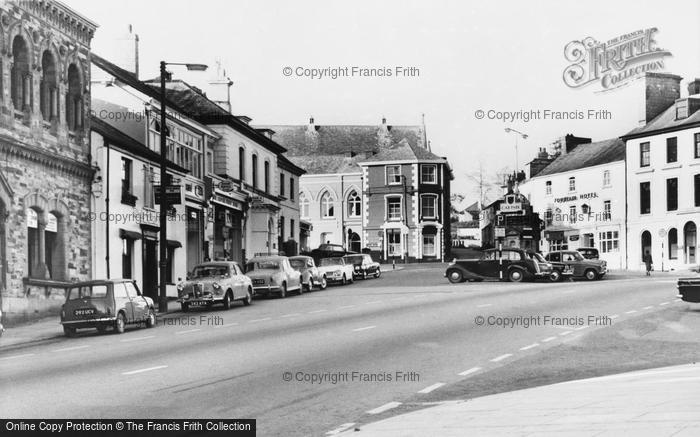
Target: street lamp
[
  {"x": 164, "y": 181},
  {"x": 518, "y": 133}
]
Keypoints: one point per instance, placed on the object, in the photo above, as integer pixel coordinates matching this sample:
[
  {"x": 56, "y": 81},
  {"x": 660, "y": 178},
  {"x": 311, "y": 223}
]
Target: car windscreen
[
  {"x": 537, "y": 257},
  {"x": 353, "y": 259},
  {"x": 331, "y": 262},
  {"x": 262, "y": 265},
  {"x": 297, "y": 263},
  {"x": 87, "y": 292},
  {"x": 209, "y": 271}
]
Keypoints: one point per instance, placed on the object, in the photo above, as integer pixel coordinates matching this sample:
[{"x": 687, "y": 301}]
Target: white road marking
[
  {"x": 318, "y": 311},
  {"x": 648, "y": 308},
  {"x": 383, "y": 408},
  {"x": 16, "y": 356},
  {"x": 65, "y": 349},
  {"x": 227, "y": 325},
  {"x": 484, "y": 305},
  {"x": 291, "y": 315},
  {"x": 128, "y": 340},
  {"x": 340, "y": 429},
  {"x": 548, "y": 339},
  {"x": 630, "y": 312},
  {"x": 469, "y": 371},
  {"x": 581, "y": 328},
  {"x": 346, "y": 307},
  {"x": 500, "y": 358},
  {"x": 614, "y": 316},
  {"x": 188, "y": 331},
  {"x": 148, "y": 369},
  {"x": 259, "y": 320},
  {"x": 364, "y": 329},
  {"x": 565, "y": 333},
  {"x": 430, "y": 388},
  {"x": 373, "y": 302},
  {"x": 530, "y": 346},
  {"x": 664, "y": 303}
]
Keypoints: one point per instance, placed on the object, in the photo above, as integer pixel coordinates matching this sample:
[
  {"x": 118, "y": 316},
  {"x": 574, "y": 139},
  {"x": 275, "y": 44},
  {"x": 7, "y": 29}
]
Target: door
[
  {"x": 138, "y": 303},
  {"x": 150, "y": 269},
  {"x": 690, "y": 237},
  {"x": 646, "y": 245},
  {"x": 123, "y": 301}
]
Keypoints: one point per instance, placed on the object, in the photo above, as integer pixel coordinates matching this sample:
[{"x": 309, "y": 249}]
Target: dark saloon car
[
  {"x": 689, "y": 289},
  {"x": 582, "y": 268},
  {"x": 363, "y": 265},
  {"x": 327, "y": 250},
  {"x": 513, "y": 265},
  {"x": 310, "y": 275},
  {"x": 106, "y": 303},
  {"x": 548, "y": 270}
]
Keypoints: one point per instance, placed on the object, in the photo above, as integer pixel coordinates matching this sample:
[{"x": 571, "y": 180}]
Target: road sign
[
  {"x": 500, "y": 232},
  {"x": 172, "y": 192},
  {"x": 511, "y": 207},
  {"x": 226, "y": 185}
]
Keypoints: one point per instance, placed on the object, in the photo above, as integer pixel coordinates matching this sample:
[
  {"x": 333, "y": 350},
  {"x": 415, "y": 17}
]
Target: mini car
[
  {"x": 337, "y": 270},
  {"x": 589, "y": 252},
  {"x": 217, "y": 282},
  {"x": 106, "y": 303},
  {"x": 363, "y": 265},
  {"x": 310, "y": 275},
  {"x": 689, "y": 289},
  {"x": 513, "y": 265},
  {"x": 273, "y": 275},
  {"x": 582, "y": 267}
]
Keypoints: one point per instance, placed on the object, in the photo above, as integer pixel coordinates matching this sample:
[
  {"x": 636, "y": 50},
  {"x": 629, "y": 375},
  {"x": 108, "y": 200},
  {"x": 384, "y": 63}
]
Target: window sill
[
  {"x": 672, "y": 167},
  {"x": 644, "y": 170}
]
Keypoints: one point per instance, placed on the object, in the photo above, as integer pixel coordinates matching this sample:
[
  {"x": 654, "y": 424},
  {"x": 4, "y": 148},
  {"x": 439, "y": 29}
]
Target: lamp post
[
  {"x": 518, "y": 133},
  {"x": 164, "y": 182}
]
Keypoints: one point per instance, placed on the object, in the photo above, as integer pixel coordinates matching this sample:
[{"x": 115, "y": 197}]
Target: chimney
[
  {"x": 661, "y": 92},
  {"x": 128, "y": 51},
  {"x": 694, "y": 87},
  {"x": 543, "y": 153},
  {"x": 571, "y": 142},
  {"x": 383, "y": 120},
  {"x": 220, "y": 88}
]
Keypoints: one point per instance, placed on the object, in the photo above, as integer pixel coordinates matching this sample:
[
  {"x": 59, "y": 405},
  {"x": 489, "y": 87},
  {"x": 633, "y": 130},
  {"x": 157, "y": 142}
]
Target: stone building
[{"x": 45, "y": 169}]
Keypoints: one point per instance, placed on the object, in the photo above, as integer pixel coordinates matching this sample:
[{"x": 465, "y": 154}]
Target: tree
[{"x": 487, "y": 184}]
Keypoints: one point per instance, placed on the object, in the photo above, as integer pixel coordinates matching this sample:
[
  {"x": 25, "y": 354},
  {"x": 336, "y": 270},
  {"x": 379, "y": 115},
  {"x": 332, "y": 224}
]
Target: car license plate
[
  {"x": 198, "y": 303},
  {"x": 84, "y": 312},
  {"x": 258, "y": 282}
]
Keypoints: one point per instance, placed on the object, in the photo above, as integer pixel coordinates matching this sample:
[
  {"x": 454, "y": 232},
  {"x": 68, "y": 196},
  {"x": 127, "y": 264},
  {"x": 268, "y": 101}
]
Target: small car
[
  {"x": 582, "y": 267},
  {"x": 549, "y": 271},
  {"x": 216, "y": 282},
  {"x": 106, "y": 303},
  {"x": 363, "y": 265},
  {"x": 273, "y": 275},
  {"x": 589, "y": 252},
  {"x": 337, "y": 270},
  {"x": 689, "y": 289},
  {"x": 310, "y": 275},
  {"x": 510, "y": 264}
]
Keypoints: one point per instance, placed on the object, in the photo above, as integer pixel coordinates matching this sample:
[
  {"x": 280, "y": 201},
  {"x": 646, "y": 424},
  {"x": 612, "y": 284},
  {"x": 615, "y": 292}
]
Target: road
[{"x": 379, "y": 342}]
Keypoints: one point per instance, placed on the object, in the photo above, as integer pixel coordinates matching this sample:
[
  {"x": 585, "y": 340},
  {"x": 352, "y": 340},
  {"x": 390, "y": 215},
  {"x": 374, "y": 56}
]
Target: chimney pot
[
  {"x": 311, "y": 120},
  {"x": 383, "y": 120},
  {"x": 694, "y": 87},
  {"x": 662, "y": 91}
]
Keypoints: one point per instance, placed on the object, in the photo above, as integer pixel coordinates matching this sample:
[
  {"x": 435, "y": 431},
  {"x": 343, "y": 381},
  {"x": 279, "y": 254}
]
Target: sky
[{"x": 498, "y": 56}]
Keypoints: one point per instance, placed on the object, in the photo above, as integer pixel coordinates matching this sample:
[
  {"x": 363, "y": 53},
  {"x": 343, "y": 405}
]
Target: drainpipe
[
  {"x": 107, "y": 214},
  {"x": 627, "y": 229},
  {"x": 342, "y": 213}
]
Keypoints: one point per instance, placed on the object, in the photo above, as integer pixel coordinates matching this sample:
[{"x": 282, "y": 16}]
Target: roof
[
  {"x": 118, "y": 138},
  {"x": 666, "y": 121},
  {"x": 403, "y": 151},
  {"x": 288, "y": 165},
  {"x": 587, "y": 155},
  {"x": 325, "y": 164}
]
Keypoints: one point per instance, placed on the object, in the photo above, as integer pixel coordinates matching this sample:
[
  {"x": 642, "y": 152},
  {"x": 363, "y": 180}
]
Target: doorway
[
  {"x": 150, "y": 268},
  {"x": 646, "y": 244},
  {"x": 690, "y": 242}
]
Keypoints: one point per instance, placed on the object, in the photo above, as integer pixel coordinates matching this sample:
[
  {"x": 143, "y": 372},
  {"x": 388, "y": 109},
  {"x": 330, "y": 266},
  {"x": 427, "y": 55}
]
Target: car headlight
[
  {"x": 337, "y": 272},
  {"x": 180, "y": 287},
  {"x": 272, "y": 279},
  {"x": 216, "y": 285}
]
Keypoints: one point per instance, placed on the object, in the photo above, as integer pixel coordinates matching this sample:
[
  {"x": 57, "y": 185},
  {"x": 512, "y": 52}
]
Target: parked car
[
  {"x": 582, "y": 267},
  {"x": 216, "y": 282},
  {"x": 327, "y": 251},
  {"x": 310, "y": 275},
  {"x": 589, "y": 252},
  {"x": 363, "y": 265},
  {"x": 273, "y": 275},
  {"x": 689, "y": 289},
  {"x": 515, "y": 264},
  {"x": 336, "y": 270},
  {"x": 548, "y": 270},
  {"x": 106, "y": 303}
]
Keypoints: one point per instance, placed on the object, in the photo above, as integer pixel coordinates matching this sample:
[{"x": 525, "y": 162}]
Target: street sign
[
  {"x": 500, "y": 232},
  {"x": 172, "y": 193},
  {"x": 511, "y": 207},
  {"x": 662, "y": 233},
  {"x": 226, "y": 185}
]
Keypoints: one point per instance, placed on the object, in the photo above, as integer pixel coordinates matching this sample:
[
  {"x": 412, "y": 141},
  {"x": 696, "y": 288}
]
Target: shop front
[{"x": 229, "y": 217}]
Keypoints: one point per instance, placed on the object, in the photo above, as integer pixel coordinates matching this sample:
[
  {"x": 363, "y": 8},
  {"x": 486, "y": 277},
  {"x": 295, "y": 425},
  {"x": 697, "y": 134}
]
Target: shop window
[
  {"x": 429, "y": 245},
  {"x": 609, "y": 241}
]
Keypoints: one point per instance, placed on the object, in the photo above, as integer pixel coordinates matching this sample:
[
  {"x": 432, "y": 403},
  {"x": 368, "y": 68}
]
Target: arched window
[
  {"x": 327, "y": 207},
  {"x": 646, "y": 243},
  {"x": 266, "y": 169},
  {"x": 74, "y": 99},
  {"x": 354, "y": 204},
  {"x": 48, "y": 92},
  {"x": 241, "y": 164},
  {"x": 690, "y": 233},
  {"x": 673, "y": 243},
  {"x": 20, "y": 79},
  {"x": 255, "y": 171},
  {"x": 304, "y": 205}
]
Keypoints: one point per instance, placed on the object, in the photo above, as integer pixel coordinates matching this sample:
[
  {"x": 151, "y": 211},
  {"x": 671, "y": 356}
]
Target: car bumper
[
  {"x": 91, "y": 323},
  {"x": 266, "y": 289},
  {"x": 689, "y": 290}
]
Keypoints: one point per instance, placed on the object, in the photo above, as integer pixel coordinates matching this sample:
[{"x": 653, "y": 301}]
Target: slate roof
[
  {"x": 403, "y": 151},
  {"x": 587, "y": 155},
  {"x": 324, "y": 164},
  {"x": 665, "y": 121}
]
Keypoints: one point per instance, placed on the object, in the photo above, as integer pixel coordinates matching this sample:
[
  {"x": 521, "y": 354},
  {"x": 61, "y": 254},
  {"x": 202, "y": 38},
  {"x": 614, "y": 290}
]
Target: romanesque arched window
[
  {"x": 74, "y": 99},
  {"x": 20, "y": 77},
  {"x": 48, "y": 91}
]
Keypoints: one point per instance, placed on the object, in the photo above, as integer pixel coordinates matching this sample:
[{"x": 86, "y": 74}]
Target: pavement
[{"x": 658, "y": 402}]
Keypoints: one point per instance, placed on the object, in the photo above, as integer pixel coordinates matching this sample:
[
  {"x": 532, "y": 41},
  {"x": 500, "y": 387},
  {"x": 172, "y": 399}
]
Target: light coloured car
[
  {"x": 273, "y": 275},
  {"x": 310, "y": 275},
  {"x": 336, "y": 270},
  {"x": 217, "y": 282}
]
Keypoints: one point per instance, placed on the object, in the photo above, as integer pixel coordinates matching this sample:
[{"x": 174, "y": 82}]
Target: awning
[
  {"x": 174, "y": 243},
  {"x": 129, "y": 235}
]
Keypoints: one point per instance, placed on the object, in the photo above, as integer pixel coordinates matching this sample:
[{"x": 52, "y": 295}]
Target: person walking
[{"x": 648, "y": 262}]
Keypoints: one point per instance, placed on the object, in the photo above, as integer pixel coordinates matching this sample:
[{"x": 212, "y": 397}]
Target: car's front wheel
[
  {"x": 227, "y": 300},
  {"x": 150, "y": 318},
  {"x": 591, "y": 275},
  {"x": 184, "y": 307},
  {"x": 555, "y": 276},
  {"x": 283, "y": 290},
  {"x": 515, "y": 275},
  {"x": 378, "y": 273},
  {"x": 248, "y": 297},
  {"x": 455, "y": 276},
  {"x": 324, "y": 283},
  {"x": 120, "y": 324}
]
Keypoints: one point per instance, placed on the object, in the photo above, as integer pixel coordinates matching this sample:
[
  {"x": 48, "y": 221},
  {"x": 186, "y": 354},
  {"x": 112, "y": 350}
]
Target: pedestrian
[{"x": 648, "y": 262}]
